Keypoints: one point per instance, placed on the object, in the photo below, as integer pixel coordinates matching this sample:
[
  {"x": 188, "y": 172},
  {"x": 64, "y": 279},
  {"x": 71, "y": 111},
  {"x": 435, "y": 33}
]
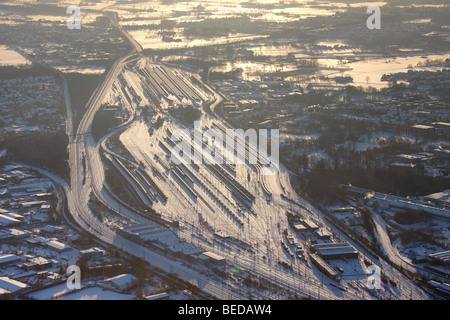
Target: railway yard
[
  {"x": 237, "y": 210},
  {"x": 244, "y": 150}
]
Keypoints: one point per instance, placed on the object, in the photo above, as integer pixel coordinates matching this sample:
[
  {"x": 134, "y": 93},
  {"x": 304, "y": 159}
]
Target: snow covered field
[
  {"x": 375, "y": 68},
  {"x": 9, "y": 57},
  {"x": 82, "y": 70},
  {"x": 149, "y": 39}
]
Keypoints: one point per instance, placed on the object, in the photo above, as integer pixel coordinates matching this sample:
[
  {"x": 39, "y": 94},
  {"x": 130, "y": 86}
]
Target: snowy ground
[
  {"x": 369, "y": 72},
  {"x": 9, "y": 57},
  {"x": 252, "y": 235},
  {"x": 61, "y": 292}
]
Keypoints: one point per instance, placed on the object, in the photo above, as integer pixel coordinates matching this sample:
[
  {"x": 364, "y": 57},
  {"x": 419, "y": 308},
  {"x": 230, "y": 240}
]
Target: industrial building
[
  {"x": 121, "y": 283},
  {"x": 310, "y": 225},
  {"x": 93, "y": 253},
  {"x": 6, "y": 220},
  {"x": 440, "y": 258},
  {"x": 159, "y": 237},
  {"x": 299, "y": 227},
  {"x": 329, "y": 251},
  {"x": 8, "y": 259},
  {"x": 37, "y": 264},
  {"x": 323, "y": 234},
  {"x": 443, "y": 288},
  {"x": 142, "y": 233},
  {"x": 213, "y": 258},
  {"x": 9, "y": 287}
]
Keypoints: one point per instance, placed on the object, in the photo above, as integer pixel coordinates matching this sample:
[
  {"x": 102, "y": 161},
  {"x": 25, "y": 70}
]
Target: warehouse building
[
  {"x": 330, "y": 251},
  {"x": 93, "y": 253},
  {"x": 141, "y": 233},
  {"x": 121, "y": 283},
  {"x": 213, "y": 258},
  {"x": 323, "y": 234},
  {"x": 440, "y": 258},
  {"x": 159, "y": 237},
  {"x": 310, "y": 225},
  {"x": 10, "y": 287},
  {"x": 7, "y": 220},
  {"x": 57, "y": 246},
  {"x": 9, "y": 259},
  {"x": 299, "y": 227},
  {"x": 443, "y": 288}
]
